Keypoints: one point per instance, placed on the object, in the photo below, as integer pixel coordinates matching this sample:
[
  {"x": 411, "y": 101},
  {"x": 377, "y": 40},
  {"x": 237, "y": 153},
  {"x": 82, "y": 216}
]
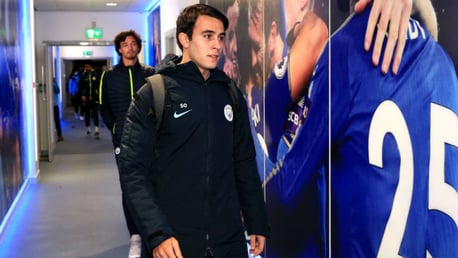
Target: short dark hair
[
  {"x": 123, "y": 35},
  {"x": 187, "y": 19}
]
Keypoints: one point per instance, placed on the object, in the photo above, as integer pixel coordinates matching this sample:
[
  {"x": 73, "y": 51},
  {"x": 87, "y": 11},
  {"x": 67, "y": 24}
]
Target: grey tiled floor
[{"x": 74, "y": 211}]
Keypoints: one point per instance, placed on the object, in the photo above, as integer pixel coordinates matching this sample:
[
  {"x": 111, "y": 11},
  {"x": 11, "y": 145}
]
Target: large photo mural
[
  {"x": 271, "y": 52},
  {"x": 11, "y": 113},
  {"x": 264, "y": 54}
]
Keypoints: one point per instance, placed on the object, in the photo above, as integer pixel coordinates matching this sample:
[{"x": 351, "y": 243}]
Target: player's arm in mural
[
  {"x": 308, "y": 151},
  {"x": 290, "y": 70},
  {"x": 304, "y": 52}
]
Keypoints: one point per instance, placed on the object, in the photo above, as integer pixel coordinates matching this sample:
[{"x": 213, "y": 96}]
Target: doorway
[{"x": 60, "y": 60}]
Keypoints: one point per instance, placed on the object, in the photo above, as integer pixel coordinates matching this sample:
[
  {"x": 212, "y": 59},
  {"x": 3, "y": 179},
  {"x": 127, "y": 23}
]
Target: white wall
[
  {"x": 170, "y": 9},
  {"x": 53, "y": 26},
  {"x": 70, "y": 26}
]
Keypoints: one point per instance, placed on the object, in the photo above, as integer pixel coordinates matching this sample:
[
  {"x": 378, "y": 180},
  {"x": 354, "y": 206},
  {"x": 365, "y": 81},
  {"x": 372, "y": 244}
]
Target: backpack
[{"x": 159, "y": 95}]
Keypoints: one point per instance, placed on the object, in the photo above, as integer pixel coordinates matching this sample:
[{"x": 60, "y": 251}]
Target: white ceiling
[{"x": 93, "y": 5}]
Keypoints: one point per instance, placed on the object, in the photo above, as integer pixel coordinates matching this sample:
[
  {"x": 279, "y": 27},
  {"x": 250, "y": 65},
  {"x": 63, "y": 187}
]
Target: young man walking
[
  {"x": 89, "y": 91},
  {"x": 193, "y": 183},
  {"x": 117, "y": 89}
]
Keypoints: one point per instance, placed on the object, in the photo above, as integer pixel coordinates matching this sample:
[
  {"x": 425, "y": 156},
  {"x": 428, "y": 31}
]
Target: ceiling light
[{"x": 111, "y": 4}]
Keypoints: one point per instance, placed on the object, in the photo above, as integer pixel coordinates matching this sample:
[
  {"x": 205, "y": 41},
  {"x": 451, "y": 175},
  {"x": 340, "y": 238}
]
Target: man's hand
[
  {"x": 257, "y": 243},
  {"x": 169, "y": 248},
  {"x": 392, "y": 20}
]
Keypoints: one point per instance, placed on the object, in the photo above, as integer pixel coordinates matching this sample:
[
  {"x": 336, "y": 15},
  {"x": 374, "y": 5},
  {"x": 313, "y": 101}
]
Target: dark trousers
[
  {"x": 129, "y": 220},
  {"x": 236, "y": 249},
  {"x": 91, "y": 110},
  {"x": 77, "y": 105},
  {"x": 57, "y": 120},
  {"x": 127, "y": 214}
]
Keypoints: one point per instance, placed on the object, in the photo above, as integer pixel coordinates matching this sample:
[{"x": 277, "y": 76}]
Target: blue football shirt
[{"x": 389, "y": 144}]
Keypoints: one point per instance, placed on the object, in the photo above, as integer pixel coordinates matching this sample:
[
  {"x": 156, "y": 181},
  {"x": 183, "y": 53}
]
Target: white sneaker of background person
[
  {"x": 97, "y": 134},
  {"x": 135, "y": 249}
]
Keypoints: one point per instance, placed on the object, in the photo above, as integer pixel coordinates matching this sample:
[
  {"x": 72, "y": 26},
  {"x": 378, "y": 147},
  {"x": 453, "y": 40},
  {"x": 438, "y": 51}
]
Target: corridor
[{"x": 75, "y": 209}]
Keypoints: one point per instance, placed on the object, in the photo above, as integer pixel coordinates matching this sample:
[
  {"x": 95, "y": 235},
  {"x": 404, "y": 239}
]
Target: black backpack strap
[
  {"x": 232, "y": 88},
  {"x": 158, "y": 88}
]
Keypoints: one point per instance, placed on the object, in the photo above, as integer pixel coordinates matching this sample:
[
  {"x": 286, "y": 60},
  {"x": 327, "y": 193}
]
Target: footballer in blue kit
[
  {"x": 297, "y": 227},
  {"x": 290, "y": 63},
  {"x": 389, "y": 145},
  {"x": 293, "y": 52}
]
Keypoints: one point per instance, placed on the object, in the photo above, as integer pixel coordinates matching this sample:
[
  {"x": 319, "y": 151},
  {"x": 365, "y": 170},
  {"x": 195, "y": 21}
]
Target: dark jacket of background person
[
  {"x": 89, "y": 86},
  {"x": 117, "y": 89},
  {"x": 194, "y": 177},
  {"x": 56, "y": 92},
  {"x": 73, "y": 84}
]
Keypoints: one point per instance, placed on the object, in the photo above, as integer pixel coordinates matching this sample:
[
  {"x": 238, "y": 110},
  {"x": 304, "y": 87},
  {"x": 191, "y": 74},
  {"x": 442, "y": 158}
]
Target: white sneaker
[{"x": 135, "y": 249}]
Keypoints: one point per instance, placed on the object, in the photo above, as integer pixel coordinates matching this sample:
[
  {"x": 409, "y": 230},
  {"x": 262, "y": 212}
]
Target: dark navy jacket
[
  {"x": 89, "y": 86},
  {"x": 117, "y": 89},
  {"x": 195, "y": 176}
]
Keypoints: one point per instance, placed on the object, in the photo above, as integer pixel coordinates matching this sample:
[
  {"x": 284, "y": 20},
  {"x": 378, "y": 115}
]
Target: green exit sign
[
  {"x": 94, "y": 33},
  {"x": 87, "y": 53}
]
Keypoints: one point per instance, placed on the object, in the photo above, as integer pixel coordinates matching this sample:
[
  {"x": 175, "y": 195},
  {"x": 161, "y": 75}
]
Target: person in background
[
  {"x": 192, "y": 181},
  {"x": 117, "y": 89},
  {"x": 89, "y": 90},
  {"x": 75, "y": 97},
  {"x": 56, "y": 91}
]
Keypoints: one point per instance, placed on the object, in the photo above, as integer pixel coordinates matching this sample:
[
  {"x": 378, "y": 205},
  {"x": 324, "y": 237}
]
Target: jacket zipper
[{"x": 207, "y": 173}]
